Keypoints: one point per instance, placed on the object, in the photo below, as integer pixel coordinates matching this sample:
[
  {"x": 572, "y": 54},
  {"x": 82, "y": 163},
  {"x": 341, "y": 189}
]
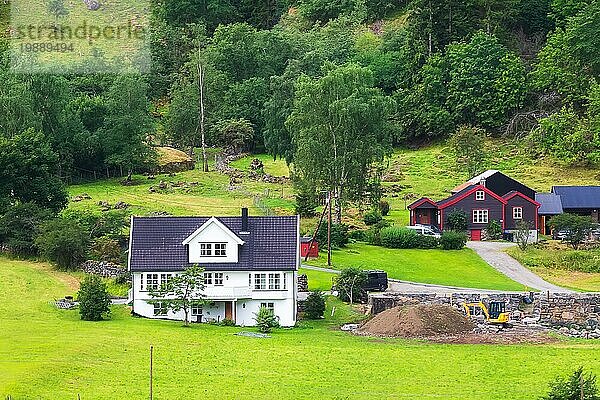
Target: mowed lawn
[
  {"x": 461, "y": 268},
  {"x": 50, "y": 354}
]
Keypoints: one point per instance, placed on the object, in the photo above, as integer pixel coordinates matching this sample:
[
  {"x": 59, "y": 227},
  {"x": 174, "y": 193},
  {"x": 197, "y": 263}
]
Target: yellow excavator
[{"x": 495, "y": 312}]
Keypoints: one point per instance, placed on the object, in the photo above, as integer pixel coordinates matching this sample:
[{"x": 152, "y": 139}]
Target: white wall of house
[{"x": 244, "y": 290}]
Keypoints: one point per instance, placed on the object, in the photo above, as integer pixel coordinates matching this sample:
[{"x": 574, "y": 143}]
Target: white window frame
[
  {"x": 196, "y": 310},
  {"x": 220, "y": 249},
  {"x": 218, "y": 279},
  {"x": 159, "y": 309},
  {"x": 164, "y": 279},
  {"x": 260, "y": 281},
  {"x": 481, "y": 216},
  {"x": 208, "y": 278},
  {"x": 269, "y": 306},
  {"x": 152, "y": 281},
  {"x": 206, "y": 249},
  {"x": 274, "y": 281},
  {"x": 480, "y": 195},
  {"x": 517, "y": 212}
]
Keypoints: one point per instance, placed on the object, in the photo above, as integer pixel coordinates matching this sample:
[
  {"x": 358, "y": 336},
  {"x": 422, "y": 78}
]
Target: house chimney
[
  {"x": 244, "y": 219},
  {"x": 482, "y": 182}
]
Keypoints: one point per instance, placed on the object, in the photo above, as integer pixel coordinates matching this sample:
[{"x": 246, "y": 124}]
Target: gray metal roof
[
  {"x": 156, "y": 243},
  {"x": 578, "y": 197},
  {"x": 550, "y": 204}
]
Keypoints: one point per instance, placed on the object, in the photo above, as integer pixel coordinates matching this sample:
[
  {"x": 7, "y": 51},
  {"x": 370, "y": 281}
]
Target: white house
[{"x": 249, "y": 263}]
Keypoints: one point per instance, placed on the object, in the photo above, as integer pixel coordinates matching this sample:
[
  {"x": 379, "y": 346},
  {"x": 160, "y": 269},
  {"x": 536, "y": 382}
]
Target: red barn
[{"x": 305, "y": 246}]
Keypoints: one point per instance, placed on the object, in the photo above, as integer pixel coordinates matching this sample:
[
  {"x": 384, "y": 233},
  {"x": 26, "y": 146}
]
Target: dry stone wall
[{"x": 574, "y": 311}]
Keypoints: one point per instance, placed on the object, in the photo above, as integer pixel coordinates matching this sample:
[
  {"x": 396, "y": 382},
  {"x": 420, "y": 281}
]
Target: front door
[
  {"x": 476, "y": 235},
  {"x": 425, "y": 218},
  {"x": 229, "y": 310}
]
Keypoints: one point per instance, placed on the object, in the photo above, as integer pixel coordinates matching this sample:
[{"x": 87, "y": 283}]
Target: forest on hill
[{"x": 331, "y": 86}]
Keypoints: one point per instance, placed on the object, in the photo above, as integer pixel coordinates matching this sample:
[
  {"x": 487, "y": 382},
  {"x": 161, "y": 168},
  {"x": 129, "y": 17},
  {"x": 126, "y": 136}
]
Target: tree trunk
[
  {"x": 202, "y": 114},
  {"x": 430, "y": 47}
]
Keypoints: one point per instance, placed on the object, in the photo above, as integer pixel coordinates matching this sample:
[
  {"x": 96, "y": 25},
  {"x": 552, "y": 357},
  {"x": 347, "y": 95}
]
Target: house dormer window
[
  {"x": 480, "y": 195},
  {"x": 220, "y": 249},
  {"x": 213, "y": 249},
  {"x": 517, "y": 212},
  {"x": 206, "y": 249}
]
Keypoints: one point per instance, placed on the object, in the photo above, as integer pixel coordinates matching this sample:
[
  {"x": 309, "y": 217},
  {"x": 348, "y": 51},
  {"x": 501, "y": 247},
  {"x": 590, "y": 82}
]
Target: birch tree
[{"x": 339, "y": 129}]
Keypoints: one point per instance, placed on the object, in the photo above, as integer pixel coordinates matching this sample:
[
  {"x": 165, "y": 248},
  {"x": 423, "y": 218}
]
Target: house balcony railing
[{"x": 227, "y": 292}]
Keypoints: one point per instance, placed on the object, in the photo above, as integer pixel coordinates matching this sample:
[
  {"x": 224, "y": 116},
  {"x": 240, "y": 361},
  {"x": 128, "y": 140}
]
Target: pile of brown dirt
[{"x": 417, "y": 321}]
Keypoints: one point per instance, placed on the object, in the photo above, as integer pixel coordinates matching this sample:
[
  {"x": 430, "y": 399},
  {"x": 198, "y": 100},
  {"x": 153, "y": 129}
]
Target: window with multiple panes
[
  {"x": 206, "y": 249},
  {"x": 268, "y": 306},
  {"x": 517, "y": 212},
  {"x": 208, "y": 278},
  {"x": 260, "y": 281},
  {"x": 196, "y": 310},
  {"x": 220, "y": 249},
  {"x": 164, "y": 279},
  {"x": 480, "y": 195},
  {"x": 159, "y": 308},
  {"x": 480, "y": 216},
  {"x": 218, "y": 278},
  {"x": 274, "y": 281},
  {"x": 152, "y": 282}
]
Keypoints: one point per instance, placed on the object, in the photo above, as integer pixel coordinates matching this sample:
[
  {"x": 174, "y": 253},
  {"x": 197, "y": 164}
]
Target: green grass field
[
  {"x": 318, "y": 280},
  {"x": 453, "y": 268},
  {"x": 211, "y": 195},
  {"x": 50, "y": 354},
  {"x": 561, "y": 265}
]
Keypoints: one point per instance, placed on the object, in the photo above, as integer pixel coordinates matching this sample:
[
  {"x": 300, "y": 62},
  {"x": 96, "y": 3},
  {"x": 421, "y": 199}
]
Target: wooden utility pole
[
  {"x": 151, "y": 357},
  {"x": 201, "y": 119},
  {"x": 329, "y": 228}
]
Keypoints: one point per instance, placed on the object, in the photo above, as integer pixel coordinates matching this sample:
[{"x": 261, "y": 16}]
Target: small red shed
[{"x": 305, "y": 246}]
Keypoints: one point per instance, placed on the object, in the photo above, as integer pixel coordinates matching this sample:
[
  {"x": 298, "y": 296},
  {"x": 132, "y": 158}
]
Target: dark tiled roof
[
  {"x": 423, "y": 202},
  {"x": 578, "y": 197},
  {"x": 455, "y": 195},
  {"x": 550, "y": 204},
  {"x": 156, "y": 243}
]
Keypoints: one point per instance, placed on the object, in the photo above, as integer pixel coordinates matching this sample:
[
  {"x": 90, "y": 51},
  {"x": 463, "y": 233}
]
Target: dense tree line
[{"x": 330, "y": 86}]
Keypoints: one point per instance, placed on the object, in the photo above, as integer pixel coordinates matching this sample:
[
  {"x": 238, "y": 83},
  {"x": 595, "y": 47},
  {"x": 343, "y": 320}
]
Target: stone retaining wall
[
  {"x": 302, "y": 283},
  {"x": 567, "y": 310},
  {"x": 103, "y": 268}
]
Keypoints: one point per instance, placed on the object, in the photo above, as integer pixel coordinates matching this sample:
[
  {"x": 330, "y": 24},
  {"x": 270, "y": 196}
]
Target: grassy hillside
[{"x": 48, "y": 353}]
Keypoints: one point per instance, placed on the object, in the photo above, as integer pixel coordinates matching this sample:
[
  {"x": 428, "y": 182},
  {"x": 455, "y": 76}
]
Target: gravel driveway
[{"x": 493, "y": 253}]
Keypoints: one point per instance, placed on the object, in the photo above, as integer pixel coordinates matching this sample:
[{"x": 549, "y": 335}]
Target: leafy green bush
[
  {"x": 314, "y": 308},
  {"x": 384, "y": 207},
  {"x": 359, "y": 235},
  {"x": 339, "y": 235},
  {"x": 350, "y": 284},
  {"x": 452, "y": 240},
  {"x": 577, "y": 386},
  {"x": 427, "y": 242},
  {"x": 227, "y": 322},
  {"x": 19, "y": 225},
  {"x": 456, "y": 220},
  {"x": 63, "y": 242},
  {"x": 577, "y": 227},
  {"x": 372, "y": 217},
  {"x": 399, "y": 238},
  {"x": 494, "y": 230},
  {"x": 265, "y": 320},
  {"x": 105, "y": 248},
  {"x": 94, "y": 301},
  {"x": 123, "y": 279}
]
